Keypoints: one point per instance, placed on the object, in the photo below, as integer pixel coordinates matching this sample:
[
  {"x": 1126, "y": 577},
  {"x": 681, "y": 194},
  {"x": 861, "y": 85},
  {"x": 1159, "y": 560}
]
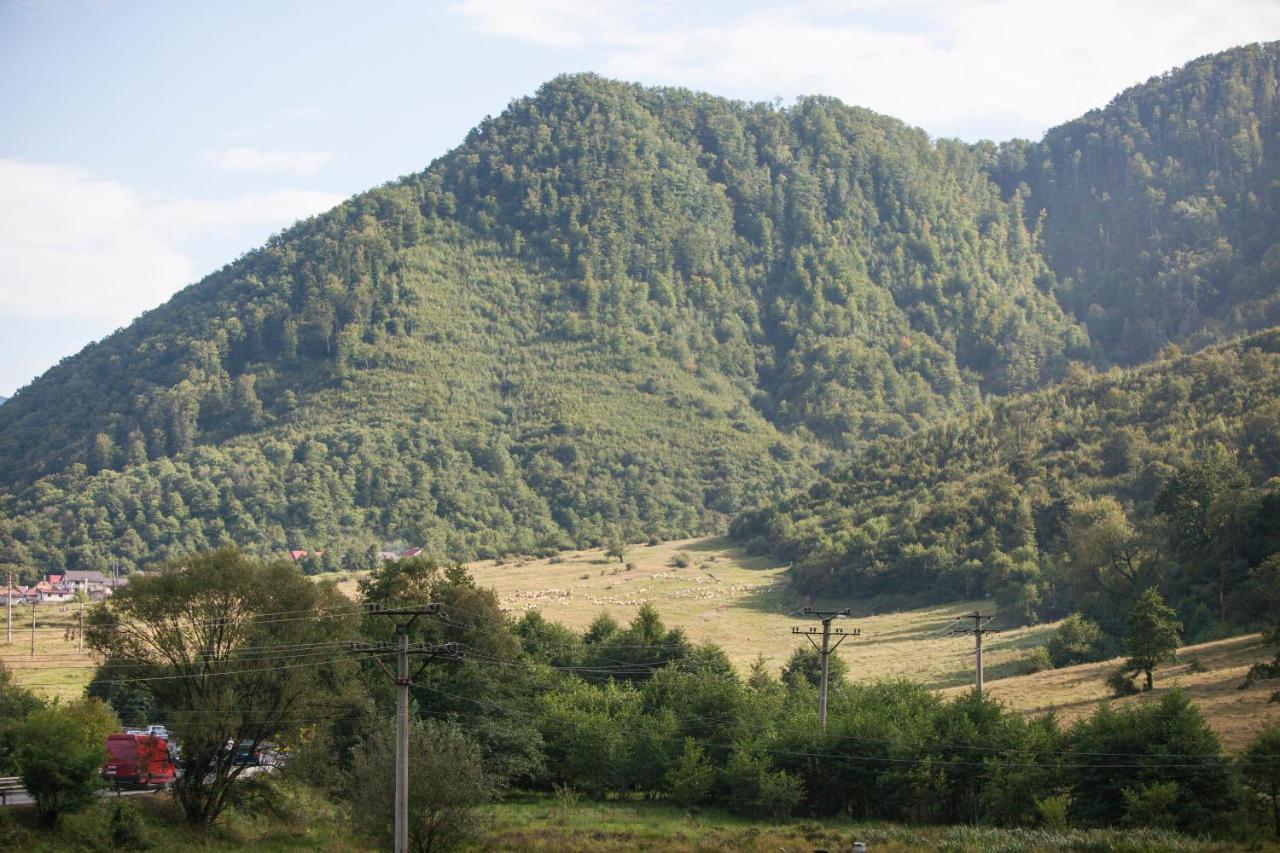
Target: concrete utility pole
[
  {"x": 33, "y": 627},
  {"x": 8, "y": 611},
  {"x": 979, "y": 628},
  {"x": 402, "y": 648},
  {"x": 81, "y": 632},
  {"x": 825, "y": 649}
]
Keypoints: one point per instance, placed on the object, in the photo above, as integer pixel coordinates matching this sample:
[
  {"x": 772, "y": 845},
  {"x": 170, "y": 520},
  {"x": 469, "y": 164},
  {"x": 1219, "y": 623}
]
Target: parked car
[
  {"x": 139, "y": 760},
  {"x": 265, "y": 755},
  {"x": 158, "y": 731}
]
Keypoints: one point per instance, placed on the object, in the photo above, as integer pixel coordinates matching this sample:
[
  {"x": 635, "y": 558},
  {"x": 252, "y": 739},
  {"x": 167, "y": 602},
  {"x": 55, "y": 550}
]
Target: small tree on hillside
[
  {"x": 616, "y": 545},
  {"x": 1153, "y": 634}
]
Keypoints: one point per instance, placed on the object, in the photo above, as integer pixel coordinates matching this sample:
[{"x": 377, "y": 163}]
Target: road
[{"x": 23, "y": 800}]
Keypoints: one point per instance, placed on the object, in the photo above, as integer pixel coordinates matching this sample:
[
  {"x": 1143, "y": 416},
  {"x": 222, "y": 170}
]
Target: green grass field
[
  {"x": 742, "y": 603},
  {"x": 550, "y": 823},
  {"x": 58, "y": 668}
]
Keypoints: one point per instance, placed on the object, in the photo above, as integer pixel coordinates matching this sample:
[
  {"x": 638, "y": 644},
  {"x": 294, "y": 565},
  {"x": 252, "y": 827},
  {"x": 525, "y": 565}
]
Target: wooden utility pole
[
  {"x": 8, "y": 611},
  {"x": 81, "y": 630},
  {"x": 402, "y": 648},
  {"x": 979, "y": 628},
  {"x": 33, "y": 627},
  {"x": 825, "y": 649}
]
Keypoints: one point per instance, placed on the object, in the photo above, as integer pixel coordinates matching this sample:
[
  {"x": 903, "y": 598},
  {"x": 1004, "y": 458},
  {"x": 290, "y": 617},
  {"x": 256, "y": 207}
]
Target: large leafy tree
[{"x": 235, "y": 651}]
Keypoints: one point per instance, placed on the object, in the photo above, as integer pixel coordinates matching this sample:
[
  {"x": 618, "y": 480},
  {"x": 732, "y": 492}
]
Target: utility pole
[
  {"x": 825, "y": 649},
  {"x": 979, "y": 628},
  {"x": 33, "y": 627},
  {"x": 8, "y": 611},
  {"x": 81, "y": 631},
  {"x": 404, "y": 618}
]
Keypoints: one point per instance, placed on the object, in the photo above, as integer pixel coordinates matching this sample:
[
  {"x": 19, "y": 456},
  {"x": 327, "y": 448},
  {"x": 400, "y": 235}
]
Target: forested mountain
[
  {"x": 1162, "y": 212},
  {"x": 1075, "y": 497},
  {"x": 611, "y": 307}
]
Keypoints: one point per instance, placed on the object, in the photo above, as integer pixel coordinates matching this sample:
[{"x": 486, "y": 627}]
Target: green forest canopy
[{"x": 615, "y": 308}]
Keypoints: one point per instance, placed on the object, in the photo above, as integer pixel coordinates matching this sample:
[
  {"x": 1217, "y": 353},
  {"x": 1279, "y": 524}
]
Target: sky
[{"x": 144, "y": 145}]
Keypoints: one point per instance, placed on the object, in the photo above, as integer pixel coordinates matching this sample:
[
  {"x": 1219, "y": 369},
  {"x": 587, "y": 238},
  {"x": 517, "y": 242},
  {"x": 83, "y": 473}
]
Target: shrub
[
  {"x": 1053, "y": 811},
  {"x": 126, "y": 828},
  {"x": 1038, "y": 660},
  {"x": 448, "y": 786},
  {"x": 631, "y": 567},
  {"x": 681, "y": 560},
  {"x": 1197, "y": 793},
  {"x": 60, "y": 751},
  {"x": 780, "y": 793},
  {"x": 1151, "y": 805},
  {"x": 1076, "y": 640},
  {"x": 1121, "y": 683},
  {"x": 690, "y": 780},
  {"x": 1261, "y": 765}
]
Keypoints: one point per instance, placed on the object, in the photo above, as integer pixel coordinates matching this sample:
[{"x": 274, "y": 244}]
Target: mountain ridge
[{"x": 610, "y": 308}]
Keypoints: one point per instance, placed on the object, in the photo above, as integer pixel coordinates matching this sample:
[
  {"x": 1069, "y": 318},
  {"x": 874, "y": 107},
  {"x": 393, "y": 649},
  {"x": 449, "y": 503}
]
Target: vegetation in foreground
[
  {"x": 301, "y": 820},
  {"x": 227, "y": 651}
]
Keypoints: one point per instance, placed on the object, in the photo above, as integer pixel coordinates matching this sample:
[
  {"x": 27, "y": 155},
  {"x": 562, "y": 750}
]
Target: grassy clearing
[
  {"x": 548, "y": 823},
  {"x": 1236, "y": 715},
  {"x": 541, "y": 822},
  {"x": 742, "y": 603},
  {"x": 58, "y": 669}
]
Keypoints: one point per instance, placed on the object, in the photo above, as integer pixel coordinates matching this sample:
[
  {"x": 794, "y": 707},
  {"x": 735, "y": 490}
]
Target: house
[
  {"x": 298, "y": 554},
  {"x": 90, "y": 581},
  {"x": 56, "y": 593},
  {"x": 410, "y": 552}
]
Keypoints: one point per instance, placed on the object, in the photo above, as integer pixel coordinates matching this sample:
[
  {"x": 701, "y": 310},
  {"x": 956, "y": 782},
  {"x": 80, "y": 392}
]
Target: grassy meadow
[
  {"x": 742, "y": 603},
  {"x": 58, "y": 668},
  {"x": 1236, "y": 715},
  {"x": 554, "y": 823}
]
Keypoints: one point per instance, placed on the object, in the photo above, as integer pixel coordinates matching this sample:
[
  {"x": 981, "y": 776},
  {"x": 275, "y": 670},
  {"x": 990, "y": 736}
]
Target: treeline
[
  {"x": 1075, "y": 498},
  {"x": 638, "y": 710}
]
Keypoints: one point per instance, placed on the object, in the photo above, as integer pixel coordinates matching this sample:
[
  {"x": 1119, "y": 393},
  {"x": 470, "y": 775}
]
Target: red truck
[{"x": 138, "y": 760}]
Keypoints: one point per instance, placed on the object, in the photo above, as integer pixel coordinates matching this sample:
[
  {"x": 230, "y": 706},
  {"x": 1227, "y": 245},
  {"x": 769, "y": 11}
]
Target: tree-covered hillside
[
  {"x": 1162, "y": 211},
  {"x": 1072, "y": 498},
  {"x": 624, "y": 310},
  {"x": 611, "y": 306}
]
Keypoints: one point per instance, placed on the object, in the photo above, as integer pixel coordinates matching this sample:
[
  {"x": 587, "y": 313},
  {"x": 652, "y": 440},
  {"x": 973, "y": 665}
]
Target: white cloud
[
  {"x": 74, "y": 246},
  {"x": 983, "y": 67},
  {"x": 243, "y": 159}
]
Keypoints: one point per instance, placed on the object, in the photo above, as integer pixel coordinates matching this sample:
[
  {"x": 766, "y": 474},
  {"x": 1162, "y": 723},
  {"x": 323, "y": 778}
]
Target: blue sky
[{"x": 143, "y": 145}]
